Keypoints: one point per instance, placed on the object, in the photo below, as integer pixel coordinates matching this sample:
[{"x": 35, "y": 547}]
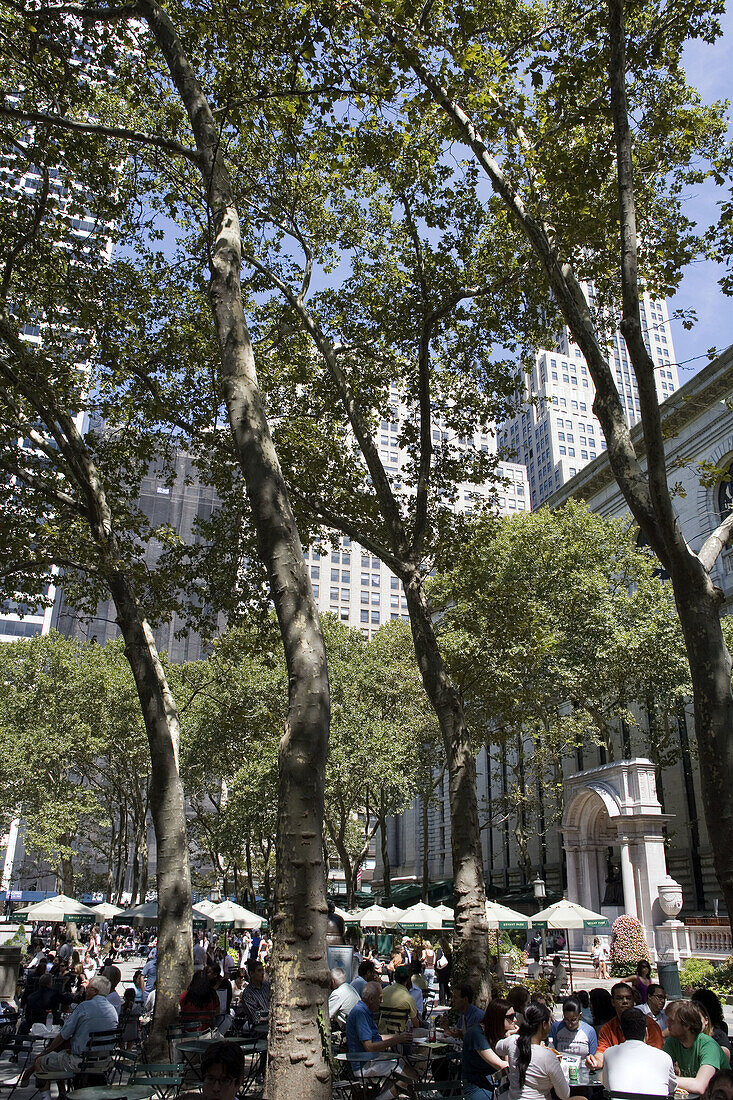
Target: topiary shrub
[
  {"x": 696, "y": 972},
  {"x": 628, "y": 945}
]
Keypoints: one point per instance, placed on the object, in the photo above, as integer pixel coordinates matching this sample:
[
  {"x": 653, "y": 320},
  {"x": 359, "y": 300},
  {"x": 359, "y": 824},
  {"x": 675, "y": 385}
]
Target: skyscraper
[{"x": 554, "y": 432}]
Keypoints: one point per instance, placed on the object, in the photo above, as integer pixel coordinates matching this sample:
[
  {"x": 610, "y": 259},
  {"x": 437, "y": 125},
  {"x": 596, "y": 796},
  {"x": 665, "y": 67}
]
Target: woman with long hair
[
  {"x": 710, "y": 1029},
  {"x": 479, "y": 1059},
  {"x": 200, "y": 1003},
  {"x": 641, "y": 981},
  {"x": 713, "y": 1007},
  {"x": 534, "y": 1071},
  {"x": 519, "y": 997}
]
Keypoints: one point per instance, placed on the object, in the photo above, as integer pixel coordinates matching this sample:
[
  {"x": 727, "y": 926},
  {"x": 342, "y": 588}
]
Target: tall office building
[
  {"x": 554, "y": 432},
  {"x": 353, "y": 583}
]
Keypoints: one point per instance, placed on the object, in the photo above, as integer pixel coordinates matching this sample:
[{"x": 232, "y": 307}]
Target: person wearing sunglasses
[
  {"x": 479, "y": 1060},
  {"x": 572, "y": 1035}
]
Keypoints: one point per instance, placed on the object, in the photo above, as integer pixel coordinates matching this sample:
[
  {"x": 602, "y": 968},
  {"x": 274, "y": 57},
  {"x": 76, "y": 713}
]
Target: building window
[
  {"x": 315, "y": 590},
  {"x": 334, "y": 594},
  {"x": 334, "y": 574},
  {"x": 394, "y": 583},
  {"x": 345, "y": 576},
  {"x": 364, "y": 616},
  {"x": 316, "y": 572},
  {"x": 365, "y": 597},
  {"x": 725, "y": 495},
  {"x": 375, "y": 616}
]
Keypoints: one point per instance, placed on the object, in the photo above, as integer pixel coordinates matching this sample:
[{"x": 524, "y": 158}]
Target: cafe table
[{"x": 112, "y": 1092}]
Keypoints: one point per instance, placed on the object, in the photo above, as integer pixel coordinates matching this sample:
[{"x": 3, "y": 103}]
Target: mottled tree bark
[{"x": 299, "y": 1035}]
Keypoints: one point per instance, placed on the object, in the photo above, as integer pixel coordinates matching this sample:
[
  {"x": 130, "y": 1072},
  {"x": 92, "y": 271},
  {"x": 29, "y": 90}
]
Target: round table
[{"x": 112, "y": 1092}]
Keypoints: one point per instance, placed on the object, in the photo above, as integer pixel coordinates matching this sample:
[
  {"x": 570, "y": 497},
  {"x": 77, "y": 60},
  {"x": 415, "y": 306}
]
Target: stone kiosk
[{"x": 614, "y": 844}]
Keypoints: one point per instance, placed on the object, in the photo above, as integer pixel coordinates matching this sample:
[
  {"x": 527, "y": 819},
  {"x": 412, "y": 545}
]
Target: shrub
[
  {"x": 696, "y": 972},
  {"x": 628, "y": 945}
]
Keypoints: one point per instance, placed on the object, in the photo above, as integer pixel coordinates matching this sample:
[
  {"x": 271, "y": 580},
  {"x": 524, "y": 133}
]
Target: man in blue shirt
[
  {"x": 468, "y": 1013},
  {"x": 362, "y": 1037},
  {"x": 95, "y": 1014},
  {"x": 150, "y": 970}
]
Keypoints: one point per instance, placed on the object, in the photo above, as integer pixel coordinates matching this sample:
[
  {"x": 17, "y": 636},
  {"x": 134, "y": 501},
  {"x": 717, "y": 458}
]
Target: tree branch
[
  {"x": 168, "y": 145},
  {"x": 340, "y": 523},
  {"x": 715, "y": 543},
  {"x": 360, "y": 427},
  {"x": 631, "y": 322}
]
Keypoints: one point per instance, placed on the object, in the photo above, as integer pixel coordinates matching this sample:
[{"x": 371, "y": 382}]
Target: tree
[
  {"x": 597, "y": 195},
  {"x": 558, "y": 630},
  {"x": 414, "y": 337},
  {"x": 108, "y": 46},
  {"x": 381, "y": 724}
]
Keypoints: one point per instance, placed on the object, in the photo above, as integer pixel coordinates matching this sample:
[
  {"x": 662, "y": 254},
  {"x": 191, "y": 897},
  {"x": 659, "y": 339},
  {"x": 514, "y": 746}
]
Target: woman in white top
[{"x": 533, "y": 1069}]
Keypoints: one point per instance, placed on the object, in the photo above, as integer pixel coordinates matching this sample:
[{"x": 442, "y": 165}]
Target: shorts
[{"x": 60, "y": 1061}]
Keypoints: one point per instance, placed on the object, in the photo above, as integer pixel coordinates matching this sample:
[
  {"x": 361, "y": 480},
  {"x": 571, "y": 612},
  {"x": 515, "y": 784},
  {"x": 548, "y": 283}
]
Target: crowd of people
[{"x": 638, "y": 1041}]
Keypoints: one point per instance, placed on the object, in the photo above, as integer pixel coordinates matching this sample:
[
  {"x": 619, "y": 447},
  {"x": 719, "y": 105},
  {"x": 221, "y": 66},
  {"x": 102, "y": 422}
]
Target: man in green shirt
[{"x": 696, "y": 1056}]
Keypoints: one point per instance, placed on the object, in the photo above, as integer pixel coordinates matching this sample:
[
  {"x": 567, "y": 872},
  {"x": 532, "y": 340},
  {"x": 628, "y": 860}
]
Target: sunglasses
[{"x": 510, "y": 1016}]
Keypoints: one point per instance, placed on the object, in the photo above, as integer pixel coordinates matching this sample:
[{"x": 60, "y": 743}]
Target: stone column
[
  {"x": 571, "y": 862},
  {"x": 627, "y": 877}
]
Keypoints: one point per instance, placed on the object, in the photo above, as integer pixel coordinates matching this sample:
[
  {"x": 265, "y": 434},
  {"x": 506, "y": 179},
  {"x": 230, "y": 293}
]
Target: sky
[{"x": 710, "y": 69}]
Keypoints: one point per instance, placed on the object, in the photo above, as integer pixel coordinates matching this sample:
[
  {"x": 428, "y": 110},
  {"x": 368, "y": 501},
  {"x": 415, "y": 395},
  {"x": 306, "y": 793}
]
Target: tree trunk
[
  {"x": 67, "y": 875},
  {"x": 144, "y": 865},
  {"x": 710, "y": 670},
  {"x": 299, "y": 1040},
  {"x": 468, "y": 871},
  {"x": 424, "y": 821},
  {"x": 386, "y": 868},
  {"x": 175, "y": 959}
]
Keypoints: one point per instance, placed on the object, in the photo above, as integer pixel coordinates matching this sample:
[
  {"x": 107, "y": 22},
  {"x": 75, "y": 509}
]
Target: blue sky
[{"x": 710, "y": 69}]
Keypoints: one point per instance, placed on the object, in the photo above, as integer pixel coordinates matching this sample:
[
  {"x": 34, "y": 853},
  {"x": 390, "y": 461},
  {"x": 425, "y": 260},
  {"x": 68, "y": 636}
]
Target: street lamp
[{"x": 540, "y": 893}]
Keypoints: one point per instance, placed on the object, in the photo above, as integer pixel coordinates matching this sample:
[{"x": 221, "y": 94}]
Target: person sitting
[
  {"x": 416, "y": 973},
  {"x": 714, "y": 1023},
  {"x": 113, "y": 975},
  {"x": 583, "y": 1000},
  {"x": 342, "y": 999},
  {"x": 696, "y": 1055},
  {"x": 398, "y": 1005},
  {"x": 572, "y": 1035},
  {"x": 656, "y": 999},
  {"x": 518, "y": 997},
  {"x": 469, "y": 1015},
  {"x": 479, "y": 1060},
  {"x": 633, "y": 1066},
  {"x": 255, "y": 1000},
  {"x": 64, "y": 1052},
  {"x": 611, "y": 1034},
  {"x": 601, "y": 1007},
  {"x": 367, "y": 973},
  {"x": 222, "y": 1073},
  {"x": 363, "y": 1037},
  {"x": 199, "y": 1004},
  {"x": 534, "y": 1071}
]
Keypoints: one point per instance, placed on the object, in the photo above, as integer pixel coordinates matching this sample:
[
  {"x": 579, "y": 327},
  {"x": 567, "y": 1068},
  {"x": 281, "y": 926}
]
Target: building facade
[
  {"x": 554, "y": 432},
  {"x": 698, "y": 423}
]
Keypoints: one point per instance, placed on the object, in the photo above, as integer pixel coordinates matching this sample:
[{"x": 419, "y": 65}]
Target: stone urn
[{"x": 670, "y": 897}]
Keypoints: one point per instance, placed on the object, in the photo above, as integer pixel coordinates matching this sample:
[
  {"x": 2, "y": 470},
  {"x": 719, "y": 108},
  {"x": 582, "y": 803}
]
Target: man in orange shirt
[{"x": 611, "y": 1034}]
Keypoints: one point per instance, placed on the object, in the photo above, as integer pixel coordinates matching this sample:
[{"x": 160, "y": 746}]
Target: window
[
  {"x": 375, "y": 580},
  {"x": 394, "y": 583},
  {"x": 725, "y": 495},
  {"x": 334, "y": 594},
  {"x": 562, "y": 451},
  {"x": 335, "y": 556},
  {"x": 375, "y": 599},
  {"x": 571, "y": 452},
  {"x": 315, "y": 590},
  {"x": 364, "y": 616},
  {"x": 561, "y": 435},
  {"x": 334, "y": 574},
  {"x": 345, "y": 594},
  {"x": 365, "y": 561},
  {"x": 344, "y": 614},
  {"x": 365, "y": 580},
  {"x": 315, "y": 572},
  {"x": 394, "y": 601},
  {"x": 346, "y": 558},
  {"x": 365, "y": 597},
  {"x": 375, "y": 563},
  {"x": 345, "y": 576},
  {"x": 375, "y": 616}
]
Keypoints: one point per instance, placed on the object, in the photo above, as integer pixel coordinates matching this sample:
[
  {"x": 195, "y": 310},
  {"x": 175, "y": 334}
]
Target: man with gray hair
[
  {"x": 343, "y": 997},
  {"x": 362, "y": 1037},
  {"x": 95, "y": 1014}
]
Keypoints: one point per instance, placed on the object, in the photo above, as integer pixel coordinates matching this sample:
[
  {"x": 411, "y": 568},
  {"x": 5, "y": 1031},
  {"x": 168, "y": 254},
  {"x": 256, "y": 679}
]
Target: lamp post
[{"x": 540, "y": 893}]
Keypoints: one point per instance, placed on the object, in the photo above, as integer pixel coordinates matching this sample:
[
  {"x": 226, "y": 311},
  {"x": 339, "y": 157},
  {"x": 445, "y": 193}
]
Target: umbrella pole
[{"x": 570, "y": 961}]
